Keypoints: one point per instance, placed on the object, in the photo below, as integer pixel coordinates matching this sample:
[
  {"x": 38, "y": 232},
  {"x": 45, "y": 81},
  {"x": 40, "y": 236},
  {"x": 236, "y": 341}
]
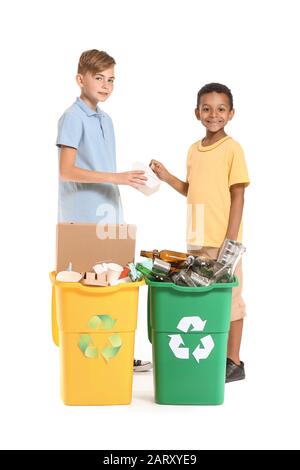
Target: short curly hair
[{"x": 218, "y": 88}]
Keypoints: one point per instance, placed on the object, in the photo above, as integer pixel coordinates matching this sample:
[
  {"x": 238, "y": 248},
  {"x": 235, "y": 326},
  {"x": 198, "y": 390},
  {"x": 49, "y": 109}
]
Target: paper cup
[
  {"x": 68, "y": 276},
  {"x": 113, "y": 272},
  {"x": 100, "y": 268}
]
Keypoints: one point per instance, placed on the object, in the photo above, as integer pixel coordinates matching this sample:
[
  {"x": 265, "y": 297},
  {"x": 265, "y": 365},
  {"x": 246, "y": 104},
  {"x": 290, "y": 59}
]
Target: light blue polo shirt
[{"x": 92, "y": 134}]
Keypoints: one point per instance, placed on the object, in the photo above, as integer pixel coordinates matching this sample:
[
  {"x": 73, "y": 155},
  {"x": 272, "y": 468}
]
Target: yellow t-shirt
[{"x": 211, "y": 171}]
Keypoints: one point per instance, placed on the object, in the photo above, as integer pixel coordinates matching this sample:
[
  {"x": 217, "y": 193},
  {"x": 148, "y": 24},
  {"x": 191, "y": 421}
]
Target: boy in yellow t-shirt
[{"x": 216, "y": 179}]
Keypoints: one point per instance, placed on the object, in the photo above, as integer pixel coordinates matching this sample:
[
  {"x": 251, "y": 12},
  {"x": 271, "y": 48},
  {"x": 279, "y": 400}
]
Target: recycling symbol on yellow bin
[
  {"x": 176, "y": 342},
  {"x": 86, "y": 343}
]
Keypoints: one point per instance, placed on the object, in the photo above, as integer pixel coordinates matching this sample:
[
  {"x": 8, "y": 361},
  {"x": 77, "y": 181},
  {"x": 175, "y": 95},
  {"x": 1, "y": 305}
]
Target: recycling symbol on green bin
[{"x": 176, "y": 342}]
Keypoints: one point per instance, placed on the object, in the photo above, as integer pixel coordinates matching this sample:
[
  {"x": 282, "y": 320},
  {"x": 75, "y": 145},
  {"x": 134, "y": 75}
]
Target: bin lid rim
[
  {"x": 94, "y": 289},
  {"x": 171, "y": 285}
]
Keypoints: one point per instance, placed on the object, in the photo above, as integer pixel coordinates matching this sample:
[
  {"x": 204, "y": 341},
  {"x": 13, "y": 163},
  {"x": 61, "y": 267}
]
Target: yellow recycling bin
[
  {"x": 54, "y": 324},
  {"x": 95, "y": 329}
]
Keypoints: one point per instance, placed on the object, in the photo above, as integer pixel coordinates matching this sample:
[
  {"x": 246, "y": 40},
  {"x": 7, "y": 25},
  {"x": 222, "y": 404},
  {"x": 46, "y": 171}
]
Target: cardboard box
[
  {"x": 85, "y": 245},
  {"x": 93, "y": 279}
]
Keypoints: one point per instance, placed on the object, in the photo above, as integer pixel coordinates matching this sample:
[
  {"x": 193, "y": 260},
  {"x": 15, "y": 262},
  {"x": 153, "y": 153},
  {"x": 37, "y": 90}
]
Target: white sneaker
[{"x": 141, "y": 366}]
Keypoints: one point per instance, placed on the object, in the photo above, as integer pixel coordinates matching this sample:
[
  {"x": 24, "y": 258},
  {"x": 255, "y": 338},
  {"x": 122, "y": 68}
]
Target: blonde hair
[{"x": 94, "y": 61}]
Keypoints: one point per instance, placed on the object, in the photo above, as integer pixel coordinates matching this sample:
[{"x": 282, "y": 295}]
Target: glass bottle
[
  {"x": 173, "y": 257},
  {"x": 150, "y": 254},
  {"x": 168, "y": 268},
  {"x": 152, "y": 275}
]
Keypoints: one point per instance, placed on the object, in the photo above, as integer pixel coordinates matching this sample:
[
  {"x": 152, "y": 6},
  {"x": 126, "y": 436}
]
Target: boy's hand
[
  {"x": 160, "y": 170},
  {"x": 132, "y": 178}
]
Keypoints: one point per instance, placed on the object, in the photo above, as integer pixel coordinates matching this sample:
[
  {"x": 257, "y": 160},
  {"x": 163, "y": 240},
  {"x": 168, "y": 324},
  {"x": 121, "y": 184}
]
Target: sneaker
[
  {"x": 234, "y": 372},
  {"x": 141, "y": 366}
]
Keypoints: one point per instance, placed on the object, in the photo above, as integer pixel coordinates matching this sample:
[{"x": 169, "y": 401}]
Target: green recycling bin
[{"x": 188, "y": 328}]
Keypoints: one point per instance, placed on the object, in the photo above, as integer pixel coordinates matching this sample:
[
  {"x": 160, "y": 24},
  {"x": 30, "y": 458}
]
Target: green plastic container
[{"x": 188, "y": 328}]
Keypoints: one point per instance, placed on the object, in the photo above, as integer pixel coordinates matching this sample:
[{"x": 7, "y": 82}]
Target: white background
[{"x": 165, "y": 51}]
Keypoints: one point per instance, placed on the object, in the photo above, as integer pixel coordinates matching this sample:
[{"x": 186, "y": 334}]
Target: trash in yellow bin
[{"x": 95, "y": 329}]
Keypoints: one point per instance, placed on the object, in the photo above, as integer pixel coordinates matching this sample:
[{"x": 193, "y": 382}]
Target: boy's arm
[
  {"x": 69, "y": 172},
  {"x": 164, "y": 175},
  {"x": 236, "y": 210},
  {"x": 180, "y": 186}
]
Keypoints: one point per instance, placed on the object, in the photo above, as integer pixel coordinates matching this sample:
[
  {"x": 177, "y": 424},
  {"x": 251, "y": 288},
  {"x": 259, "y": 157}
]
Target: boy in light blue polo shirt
[
  {"x": 88, "y": 184},
  {"x": 91, "y": 134}
]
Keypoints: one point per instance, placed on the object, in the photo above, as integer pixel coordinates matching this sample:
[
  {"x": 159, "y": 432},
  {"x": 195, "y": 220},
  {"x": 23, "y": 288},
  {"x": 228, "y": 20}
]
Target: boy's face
[
  {"x": 98, "y": 87},
  {"x": 214, "y": 111}
]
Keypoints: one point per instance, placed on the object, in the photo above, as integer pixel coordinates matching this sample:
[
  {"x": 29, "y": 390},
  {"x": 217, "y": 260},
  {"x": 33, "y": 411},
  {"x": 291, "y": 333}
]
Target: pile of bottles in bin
[{"x": 187, "y": 270}]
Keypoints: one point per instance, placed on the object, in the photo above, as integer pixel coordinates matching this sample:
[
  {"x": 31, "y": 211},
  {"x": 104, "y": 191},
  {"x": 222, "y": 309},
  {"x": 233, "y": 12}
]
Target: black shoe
[
  {"x": 141, "y": 366},
  {"x": 234, "y": 372}
]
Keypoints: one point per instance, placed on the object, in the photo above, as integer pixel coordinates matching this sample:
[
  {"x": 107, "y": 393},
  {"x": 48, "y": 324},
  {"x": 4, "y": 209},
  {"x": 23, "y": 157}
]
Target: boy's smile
[
  {"x": 214, "y": 111},
  {"x": 95, "y": 88}
]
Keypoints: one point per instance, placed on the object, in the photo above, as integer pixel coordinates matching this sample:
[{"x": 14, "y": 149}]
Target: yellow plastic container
[
  {"x": 55, "y": 335},
  {"x": 95, "y": 328}
]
